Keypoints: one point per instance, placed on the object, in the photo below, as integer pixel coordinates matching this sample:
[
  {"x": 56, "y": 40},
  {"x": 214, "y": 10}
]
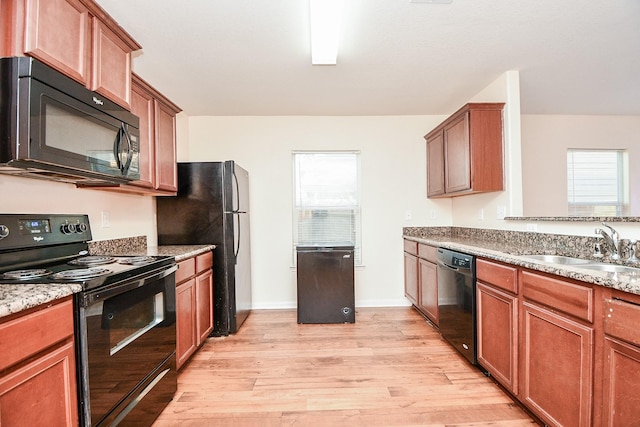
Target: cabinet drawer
[
  {"x": 621, "y": 320},
  {"x": 499, "y": 275},
  {"x": 30, "y": 334},
  {"x": 186, "y": 269},
  {"x": 427, "y": 252},
  {"x": 204, "y": 262},
  {"x": 567, "y": 297},
  {"x": 411, "y": 247}
]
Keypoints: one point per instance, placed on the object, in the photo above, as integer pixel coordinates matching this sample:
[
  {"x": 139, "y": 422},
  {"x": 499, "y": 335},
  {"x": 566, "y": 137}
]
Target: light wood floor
[{"x": 390, "y": 368}]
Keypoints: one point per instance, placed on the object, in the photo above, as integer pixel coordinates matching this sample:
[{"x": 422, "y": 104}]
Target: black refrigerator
[{"x": 212, "y": 207}]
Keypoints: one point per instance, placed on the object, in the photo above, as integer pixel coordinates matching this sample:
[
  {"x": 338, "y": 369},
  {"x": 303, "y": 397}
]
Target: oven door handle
[{"x": 132, "y": 283}]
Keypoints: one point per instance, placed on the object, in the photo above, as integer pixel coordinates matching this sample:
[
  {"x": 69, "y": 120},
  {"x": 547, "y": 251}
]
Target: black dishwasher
[
  {"x": 457, "y": 301},
  {"x": 325, "y": 283}
]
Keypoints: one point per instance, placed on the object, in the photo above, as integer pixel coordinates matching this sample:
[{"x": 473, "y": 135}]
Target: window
[
  {"x": 327, "y": 199},
  {"x": 597, "y": 182}
]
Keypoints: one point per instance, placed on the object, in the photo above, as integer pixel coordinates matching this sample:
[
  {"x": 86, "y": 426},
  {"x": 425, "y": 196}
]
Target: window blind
[
  {"x": 596, "y": 182},
  {"x": 327, "y": 199}
]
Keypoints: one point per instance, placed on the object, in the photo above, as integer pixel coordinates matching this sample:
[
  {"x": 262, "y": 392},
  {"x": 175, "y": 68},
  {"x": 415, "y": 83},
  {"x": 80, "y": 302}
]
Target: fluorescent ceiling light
[
  {"x": 325, "y": 18},
  {"x": 432, "y": 1}
]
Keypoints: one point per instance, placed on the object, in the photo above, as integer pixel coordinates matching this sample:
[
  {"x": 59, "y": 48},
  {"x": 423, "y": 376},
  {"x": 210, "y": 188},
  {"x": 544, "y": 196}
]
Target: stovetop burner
[
  {"x": 25, "y": 274},
  {"x": 92, "y": 260},
  {"x": 80, "y": 274},
  {"x": 136, "y": 260}
]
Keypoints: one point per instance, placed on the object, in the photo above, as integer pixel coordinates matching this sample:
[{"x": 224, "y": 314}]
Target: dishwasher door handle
[{"x": 452, "y": 268}]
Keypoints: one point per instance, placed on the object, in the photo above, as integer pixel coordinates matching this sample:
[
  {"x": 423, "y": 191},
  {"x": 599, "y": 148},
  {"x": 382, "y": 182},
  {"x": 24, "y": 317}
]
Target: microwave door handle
[
  {"x": 116, "y": 149},
  {"x": 129, "y": 152}
]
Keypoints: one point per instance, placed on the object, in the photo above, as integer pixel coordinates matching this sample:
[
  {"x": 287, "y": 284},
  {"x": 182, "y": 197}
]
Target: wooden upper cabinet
[
  {"x": 111, "y": 65},
  {"x": 157, "y": 114},
  {"x": 57, "y": 33},
  {"x": 457, "y": 155},
  {"x": 435, "y": 165},
  {"x": 76, "y": 37},
  {"x": 465, "y": 152},
  {"x": 165, "y": 146}
]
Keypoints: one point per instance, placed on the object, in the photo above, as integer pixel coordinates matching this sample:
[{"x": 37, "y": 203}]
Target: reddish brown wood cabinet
[
  {"x": 76, "y": 37},
  {"x": 428, "y": 282},
  {"x": 158, "y": 173},
  {"x": 497, "y": 321},
  {"x": 621, "y": 373},
  {"x": 411, "y": 271},
  {"x": 37, "y": 368},
  {"x": 557, "y": 349},
  {"x": 421, "y": 278},
  {"x": 465, "y": 152},
  {"x": 194, "y": 304}
]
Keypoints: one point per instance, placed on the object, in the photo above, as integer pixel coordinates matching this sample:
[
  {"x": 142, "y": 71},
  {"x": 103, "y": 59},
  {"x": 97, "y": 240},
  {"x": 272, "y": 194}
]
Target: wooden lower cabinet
[
  {"x": 204, "y": 305},
  {"x": 428, "y": 292},
  {"x": 194, "y": 305},
  {"x": 621, "y": 386},
  {"x": 556, "y": 367},
  {"x": 621, "y": 372},
  {"x": 38, "y": 370},
  {"x": 186, "y": 342},
  {"x": 497, "y": 325},
  {"x": 411, "y": 273}
]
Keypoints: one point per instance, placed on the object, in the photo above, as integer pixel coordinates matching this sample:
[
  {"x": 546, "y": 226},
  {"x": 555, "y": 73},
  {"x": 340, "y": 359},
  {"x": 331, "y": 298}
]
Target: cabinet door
[
  {"x": 457, "y": 155},
  {"x": 142, "y": 106},
  {"x": 111, "y": 65},
  {"x": 621, "y": 383},
  {"x": 186, "y": 339},
  {"x": 204, "y": 299},
  {"x": 497, "y": 323},
  {"x": 435, "y": 165},
  {"x": 41, "y": 393},
  {"x": 556, "y": 367},
  {"x": 411, "y": 277},
  {"x": 57, "y": 33},
  {"x": 166, "y": 169},
  {"x": 428, "y": 295}
]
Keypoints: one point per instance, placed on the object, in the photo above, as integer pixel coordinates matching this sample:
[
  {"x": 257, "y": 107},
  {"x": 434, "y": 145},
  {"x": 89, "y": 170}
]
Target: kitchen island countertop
[{"x": 15, "y": 298}]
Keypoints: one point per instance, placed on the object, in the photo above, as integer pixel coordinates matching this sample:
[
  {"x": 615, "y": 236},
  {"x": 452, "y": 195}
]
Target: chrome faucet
[{"x": 612, "y": 241}]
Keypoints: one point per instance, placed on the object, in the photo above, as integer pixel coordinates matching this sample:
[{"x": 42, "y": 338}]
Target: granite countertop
[
  {"x": 18, "y": 297},
  {"x": 513, "y": 253}
]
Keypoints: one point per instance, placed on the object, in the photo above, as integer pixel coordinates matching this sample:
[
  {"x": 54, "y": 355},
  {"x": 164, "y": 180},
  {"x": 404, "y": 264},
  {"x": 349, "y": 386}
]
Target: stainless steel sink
[
  {"x": 612, "y": 268},
  {"x": 557, "y": 259}
]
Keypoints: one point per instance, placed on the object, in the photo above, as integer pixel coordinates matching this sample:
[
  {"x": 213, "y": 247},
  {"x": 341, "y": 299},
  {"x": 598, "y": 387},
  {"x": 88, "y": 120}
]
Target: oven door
[{"x": 127, "y": 342}]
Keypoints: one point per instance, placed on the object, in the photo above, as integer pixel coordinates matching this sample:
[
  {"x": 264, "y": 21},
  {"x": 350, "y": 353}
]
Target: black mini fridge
[{"x": 325, "y": 276}]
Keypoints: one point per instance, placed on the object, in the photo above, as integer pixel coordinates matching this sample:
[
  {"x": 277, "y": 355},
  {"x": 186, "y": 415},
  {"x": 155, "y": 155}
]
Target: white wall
[
  {"x": 129, "y": 215},
  {"x": 481, "y": 210},
  {"x": 545, "y": 140},
  {"x": 393, "y": 183}
]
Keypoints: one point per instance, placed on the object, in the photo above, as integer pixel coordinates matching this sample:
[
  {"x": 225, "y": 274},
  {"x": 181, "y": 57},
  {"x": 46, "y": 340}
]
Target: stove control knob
[
  {"x": 68, "y": 228},
  {"x": 4, "y": 231},
  {"x": 81, "y": 227}
]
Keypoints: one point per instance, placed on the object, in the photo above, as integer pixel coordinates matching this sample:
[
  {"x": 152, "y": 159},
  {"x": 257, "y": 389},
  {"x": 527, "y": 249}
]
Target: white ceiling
[{"x": 251, "y": 57}]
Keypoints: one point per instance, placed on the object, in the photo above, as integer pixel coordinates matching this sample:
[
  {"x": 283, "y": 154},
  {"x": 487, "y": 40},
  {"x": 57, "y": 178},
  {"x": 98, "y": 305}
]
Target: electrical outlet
[
  {"x": 105, "y": 219},
  {"x": 501, "y": 212},
  {"x": 407, "y": 215},
  {"x": 532, "y": 227},
  {"x": 481, "y": 214},
  {"x": 432, "y": 214}
]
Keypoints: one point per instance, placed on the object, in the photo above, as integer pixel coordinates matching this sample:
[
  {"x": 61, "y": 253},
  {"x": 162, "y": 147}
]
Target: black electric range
[
  {"x": 53, "y": 249},
  {"x": 124, "y": 316}
]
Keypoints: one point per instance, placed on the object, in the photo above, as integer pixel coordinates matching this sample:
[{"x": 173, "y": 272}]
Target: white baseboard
[{"x": 365, "y": 303}]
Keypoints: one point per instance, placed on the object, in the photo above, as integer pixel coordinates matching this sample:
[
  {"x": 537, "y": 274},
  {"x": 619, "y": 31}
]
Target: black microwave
[{"x": 54, "y": 128}]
